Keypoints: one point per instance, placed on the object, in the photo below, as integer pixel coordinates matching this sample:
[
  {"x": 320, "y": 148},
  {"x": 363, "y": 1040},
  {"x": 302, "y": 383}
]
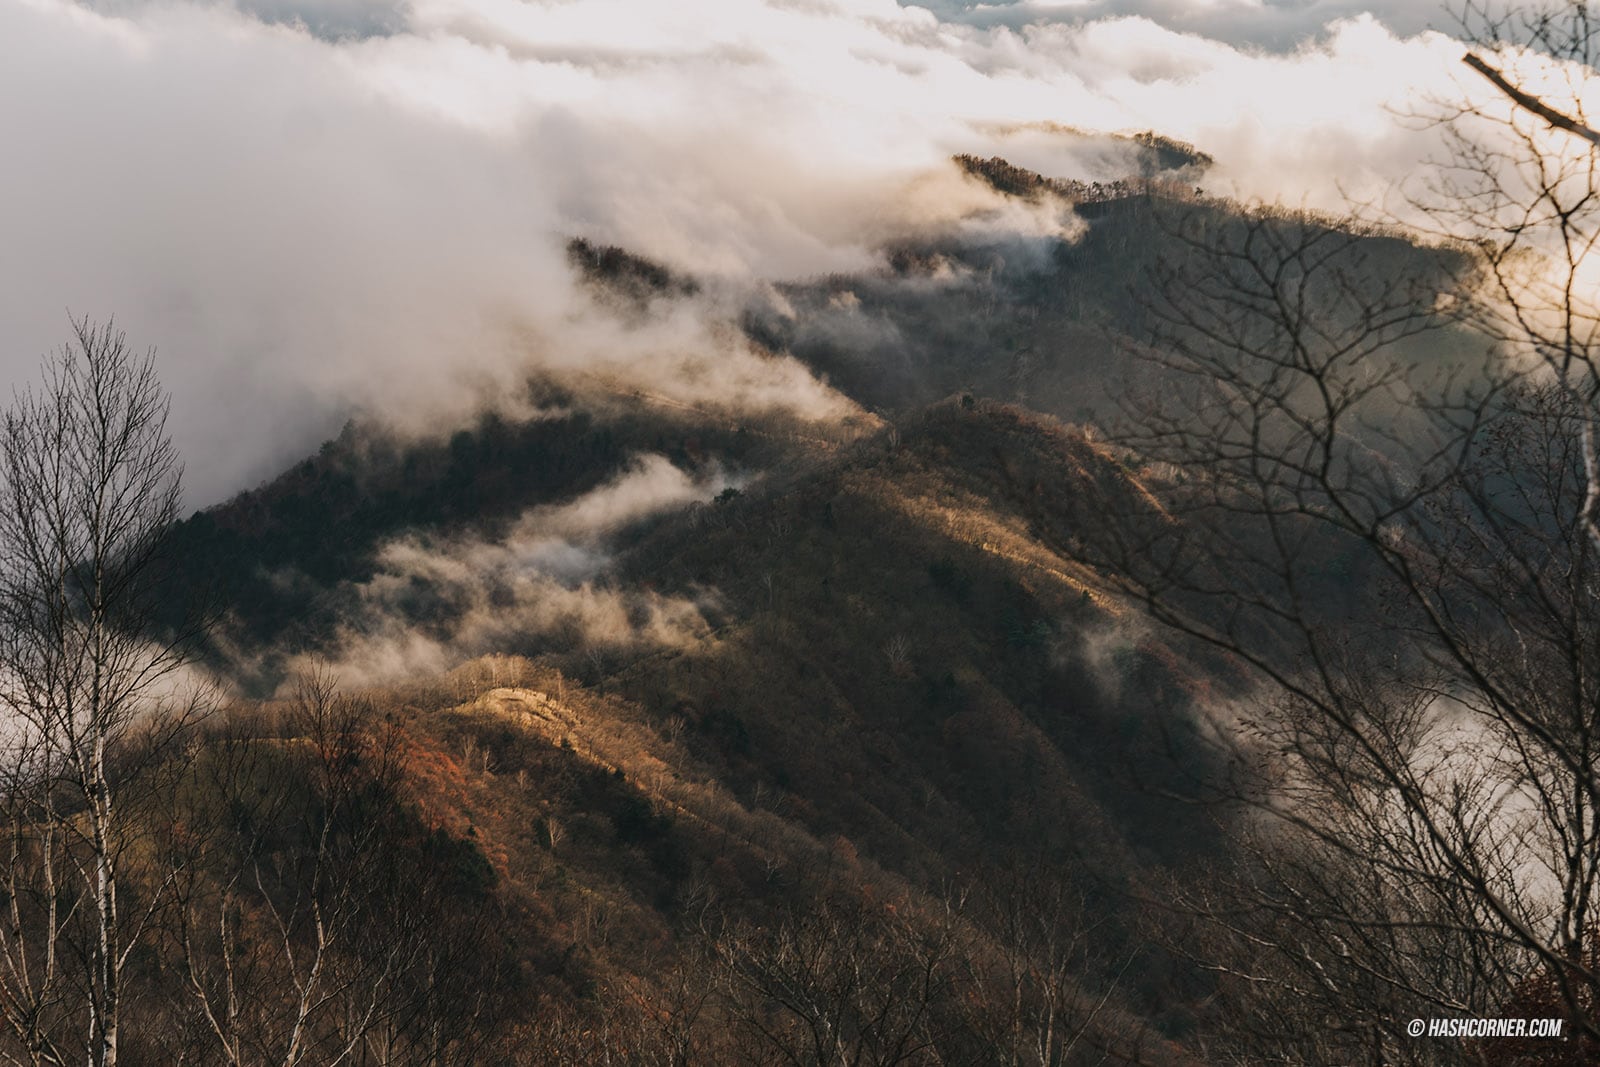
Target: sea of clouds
[{"x": 314, "y": 208}]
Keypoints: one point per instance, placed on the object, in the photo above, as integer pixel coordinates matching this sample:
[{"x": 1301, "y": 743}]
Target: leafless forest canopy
[{"x": 1167, "y": 637}]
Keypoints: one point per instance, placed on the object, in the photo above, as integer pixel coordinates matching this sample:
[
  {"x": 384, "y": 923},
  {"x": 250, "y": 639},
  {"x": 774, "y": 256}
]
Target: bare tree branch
[{"x": 1530, "y": 102}]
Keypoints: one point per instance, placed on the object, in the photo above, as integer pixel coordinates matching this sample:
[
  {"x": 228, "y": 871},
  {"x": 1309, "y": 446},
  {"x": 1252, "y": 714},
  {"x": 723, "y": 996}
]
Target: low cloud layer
[
  {"x": 436, "y": 602},
  {"x": 313, "y": 207}
]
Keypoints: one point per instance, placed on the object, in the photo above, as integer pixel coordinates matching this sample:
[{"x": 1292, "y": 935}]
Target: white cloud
[
  {"x": 543, "y": 578},
  {"x": 366, "y": 207}
]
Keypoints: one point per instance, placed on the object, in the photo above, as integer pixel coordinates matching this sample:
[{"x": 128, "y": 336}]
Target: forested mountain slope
[{"x": 676, "y": 696}]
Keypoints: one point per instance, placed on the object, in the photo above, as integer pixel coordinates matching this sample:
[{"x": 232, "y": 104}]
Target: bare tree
[
  {"x": 316, "y": 920},
  {"x": 1373, "y": 479},
  {"x": 266, "y": 923},
  {"x": 1031, "y": 963},
  {"x": 89, "y": 485},
  {"x": 1403, "y": 558},
  {"x": 1520, "y": 186},
  {"x": 840, "y": 983}
]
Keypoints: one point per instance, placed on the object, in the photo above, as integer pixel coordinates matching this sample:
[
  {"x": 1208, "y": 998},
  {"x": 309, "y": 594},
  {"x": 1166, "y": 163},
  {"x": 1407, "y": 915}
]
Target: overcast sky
[
  {"x": 1274, "y": 24},
  {"x": 315, "y": 207}
]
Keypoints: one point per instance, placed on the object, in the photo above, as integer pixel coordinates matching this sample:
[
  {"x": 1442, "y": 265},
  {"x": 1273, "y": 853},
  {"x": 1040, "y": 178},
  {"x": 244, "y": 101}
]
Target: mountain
[
  {"x": 664, "y": 722},
  {"x": 899, "y": 691}
]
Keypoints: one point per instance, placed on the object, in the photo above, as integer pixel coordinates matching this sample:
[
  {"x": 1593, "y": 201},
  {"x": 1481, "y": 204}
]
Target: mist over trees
[
  {"x": 1245, "y": 720},
  {"x": 1404, "y": 553}
]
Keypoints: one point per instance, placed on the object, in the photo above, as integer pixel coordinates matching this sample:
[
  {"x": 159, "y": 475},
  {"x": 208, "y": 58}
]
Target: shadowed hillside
[
  {"x": 898, "y": 682},
  {"x": 740, "y": 691},
  {"x": 1057, "y": 323}
]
